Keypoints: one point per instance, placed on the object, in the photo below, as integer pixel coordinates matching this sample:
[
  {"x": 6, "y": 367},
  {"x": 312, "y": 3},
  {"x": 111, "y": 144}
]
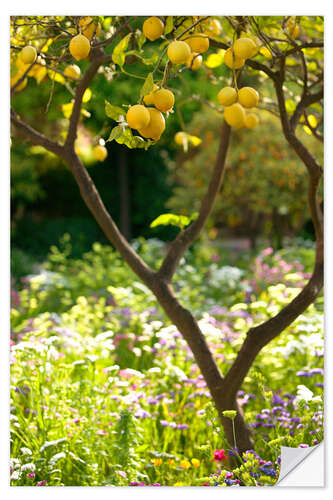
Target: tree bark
[{"x": 125, "y": 220}]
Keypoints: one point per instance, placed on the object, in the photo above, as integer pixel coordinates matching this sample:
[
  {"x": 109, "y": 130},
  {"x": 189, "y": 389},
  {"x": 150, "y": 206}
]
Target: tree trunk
[
  {"x": 125, "y": 223},
  {"x": 223, "y": 396}
]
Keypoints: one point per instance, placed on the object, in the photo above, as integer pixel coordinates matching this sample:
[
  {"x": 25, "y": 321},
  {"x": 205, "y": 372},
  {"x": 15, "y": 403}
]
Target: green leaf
[
  {"x": 168, "y": 25},
  {"x": 140, "y": 38},
  {"x": 114, "y": 112},
  {"x": 148, "y": 86},
  {"x": 149, "y": 61},
  {"x": 131, "y": 141},
  {"x": 115, "y": 133},
  {"x": 118, "y": 54},
  {"x": 173, "y": 220}
]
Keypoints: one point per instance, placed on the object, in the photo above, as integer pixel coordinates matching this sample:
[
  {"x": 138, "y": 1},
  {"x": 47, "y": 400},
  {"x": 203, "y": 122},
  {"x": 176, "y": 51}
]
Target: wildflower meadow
[{"x": 104, "y": 390}]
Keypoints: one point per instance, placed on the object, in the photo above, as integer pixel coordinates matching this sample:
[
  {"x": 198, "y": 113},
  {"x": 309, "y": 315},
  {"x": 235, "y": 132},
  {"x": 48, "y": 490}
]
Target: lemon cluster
[
  {"x": 149, "y": 121},
  {"x": 189, "y": 50},
  {"x": 236, "y": 103},
  {"x": 242, "y": 49}
]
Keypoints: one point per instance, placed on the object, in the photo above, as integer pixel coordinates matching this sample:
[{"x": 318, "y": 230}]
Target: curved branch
[
  {"x": 96, "y": 206},
  {"x": 259, "y": 336},
  {"x": 306, "y": 100},
  {"x": 179, "y": 246},
  {"x": 35, "y": 136},
  {"x": 80, "y": 89}
]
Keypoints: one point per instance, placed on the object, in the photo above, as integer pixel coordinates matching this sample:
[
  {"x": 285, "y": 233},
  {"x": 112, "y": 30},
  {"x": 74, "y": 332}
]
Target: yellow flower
[
  {"x": 171, "y": 462},
  {"x": 195, "y": 462},
  {"x": 178, "y": 484},
  {"x": 185, "y": 464},
  {"x": 157, "y": 461}
]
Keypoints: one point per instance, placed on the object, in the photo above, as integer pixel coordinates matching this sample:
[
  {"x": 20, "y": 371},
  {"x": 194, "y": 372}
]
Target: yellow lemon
[
  {"x": 21, "y": 66},
  {"x": 213, "y": 28},
  {"x": 156, "y": 125},
  {"x": 100, "y": 152},
  {"x": 79, "y": 47},
  {"x": 180, "y": 138},
  {"x": 149, "y": 99},
  {"x": 89, "y": 27},
  {"x": 251, "y": 121},
  {"x": 179, "y": 52},
  {"x": 138, "y": 117},
  {"x": 234, "y": 115},
  {"x": 73, "y": 71},
  {"x": 15, "y": 79},
  {"x": 227, "y": 96},
  {"x": 153, "y": 28},
  {"x": 28, "y": 54},
  {"x": 198, "y": 43},
  {"x": 163, "y": 100},
  {"x": 194, "y": 61},
  {"x": 248, "y": 97},
  {"x": 232, "y": 61},
  {"x": 244, "y": 48}
]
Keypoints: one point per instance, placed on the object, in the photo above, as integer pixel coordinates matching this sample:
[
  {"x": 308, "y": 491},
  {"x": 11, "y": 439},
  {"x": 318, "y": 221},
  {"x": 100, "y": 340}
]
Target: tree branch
[
  {"x": 259, "y": 336},
  {"x": 185, "y": 238},
  {"x": 96, "y": 206},
  {"x": 249, "y": 62},
  {"x": 80, "y": 89},
  {"x": 35, "y": 136},
  {"x": 306, "y": 101}
]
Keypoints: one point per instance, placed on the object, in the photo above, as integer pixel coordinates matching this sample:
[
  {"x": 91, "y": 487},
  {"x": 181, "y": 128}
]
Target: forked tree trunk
[{"x": 223, "y": 394}]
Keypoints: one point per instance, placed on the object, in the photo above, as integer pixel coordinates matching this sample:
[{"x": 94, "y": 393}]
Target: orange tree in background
[{"x": 287, "y": 51}]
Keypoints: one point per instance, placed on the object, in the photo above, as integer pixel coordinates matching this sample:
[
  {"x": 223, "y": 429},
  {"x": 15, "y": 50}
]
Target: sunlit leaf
[
  {"x": 307, "y": 129},
  {"x": 194, "y": 140},
  {"x": 115, "y": 133},
  {"x": 87, "y": 95},
  {"x": 140, "y": 38},
  {"x": 114, "y": 112},
  {"x": 118, "y": 54},
  {"x": 131, "y": 141},
  {"x": 312, "y": 121},
  {"x": 85, "y": 113},
  {"x": 214, "y": 60},
  {"x": 180, "y": 221},
  {"x": 168, "y": 25},
  {"x": 53, "y": 75},
  {"x": 148, "y": 85},
  {"x": 40, "y": 74},
  {"x": 67, "y": 109},
  {"x": 290, "y": 61},
  {"x": 265, "y": 52},
  {"x": 290, "y": 106}
]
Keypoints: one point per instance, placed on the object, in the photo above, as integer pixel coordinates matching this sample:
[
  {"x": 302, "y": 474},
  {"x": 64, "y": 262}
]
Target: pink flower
[
  {"x": 267, "y": 251},
  {"x": 219, "y": 455},
  {"x": 121, "y": 473},
  {"x": 42, "y": 483}
]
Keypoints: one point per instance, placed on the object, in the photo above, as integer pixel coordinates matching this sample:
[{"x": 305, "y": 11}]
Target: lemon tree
[{"x": 250, "y": 66}]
